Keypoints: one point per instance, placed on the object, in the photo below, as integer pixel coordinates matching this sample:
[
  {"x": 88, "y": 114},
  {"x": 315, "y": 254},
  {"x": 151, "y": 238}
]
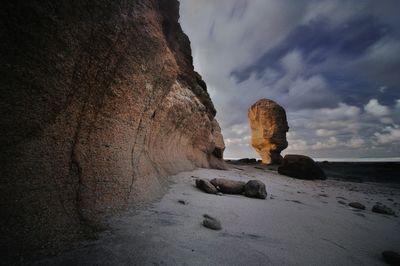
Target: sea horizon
[{"x": 330, "y": 159}]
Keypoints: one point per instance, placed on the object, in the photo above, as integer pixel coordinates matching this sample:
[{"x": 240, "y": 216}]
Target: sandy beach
[{"x": 300, "y": 223}]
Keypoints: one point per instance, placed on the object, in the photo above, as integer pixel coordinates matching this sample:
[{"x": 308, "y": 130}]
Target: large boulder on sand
[
  {"x": 255, "y": 189},
  {"x": 228, "y": 186},
  {"x": 300, "y": 166},
  {"x": 206, "y": 186},
  {"x": 383, "y": 209},
  {"x": 268, "y": 130},
  {"x": 391, "y": 257}
]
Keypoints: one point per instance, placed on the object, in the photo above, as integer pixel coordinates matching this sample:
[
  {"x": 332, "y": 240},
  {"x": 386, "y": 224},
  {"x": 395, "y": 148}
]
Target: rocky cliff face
[
  {"x": 99, "y": 102},
  {"x": 268, "y": 130}
]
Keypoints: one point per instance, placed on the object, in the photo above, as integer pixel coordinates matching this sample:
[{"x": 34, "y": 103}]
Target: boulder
[
  {"x": 247, "y": 161},
  {"x": 357, "y": 205},
  {"x": 255, "y": 189},
  {"x": 211, "y": 222},
  {"x": 206, "y": 186},
  {"x": 383, "y": 209},
  {"x": 228, "y": 186},
  {"x": 268, "y": 130},
  {"x": 391, "y": 257},
  {"x": 300, "y": 166}
]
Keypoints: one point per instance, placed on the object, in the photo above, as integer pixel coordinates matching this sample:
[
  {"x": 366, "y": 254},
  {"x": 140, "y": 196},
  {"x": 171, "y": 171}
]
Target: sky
[{"x": 333, "y": 65}]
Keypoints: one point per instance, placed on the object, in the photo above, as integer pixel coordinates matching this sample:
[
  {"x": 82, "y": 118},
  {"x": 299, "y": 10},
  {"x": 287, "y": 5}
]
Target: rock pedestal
[{"x": 268, "y": 130}]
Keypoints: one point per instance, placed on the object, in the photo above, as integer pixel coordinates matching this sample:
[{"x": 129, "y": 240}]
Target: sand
[{"x": 300, "y": 223}]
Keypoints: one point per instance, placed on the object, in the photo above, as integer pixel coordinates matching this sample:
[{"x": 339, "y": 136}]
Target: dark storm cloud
[
  {"x": 238, "y": 9},
  {"x": 318, "y": 41},
  {"x": 332, "y": 64}
]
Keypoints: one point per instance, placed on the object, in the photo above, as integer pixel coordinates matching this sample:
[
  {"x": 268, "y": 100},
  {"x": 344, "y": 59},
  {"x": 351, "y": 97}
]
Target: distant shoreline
[
  {"x": 346, "y": 160},
  {"x": 351, "y": 171}
]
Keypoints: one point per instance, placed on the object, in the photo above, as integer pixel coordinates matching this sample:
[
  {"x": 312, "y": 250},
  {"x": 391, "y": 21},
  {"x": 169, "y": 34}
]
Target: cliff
[{"x": 99, "y": 103}]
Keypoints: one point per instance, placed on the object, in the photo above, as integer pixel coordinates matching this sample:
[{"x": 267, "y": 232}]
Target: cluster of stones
[{"x": 252, "y": 189}]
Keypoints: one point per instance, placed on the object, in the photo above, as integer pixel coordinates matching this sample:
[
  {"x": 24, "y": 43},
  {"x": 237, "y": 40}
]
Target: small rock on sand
[
  {"x": 211, "y": 222},
  {"x": 357, "y": 205},
  {"x": 206, "y": 186},
  {"x": 382, "y": 209},
  {"x": 391, "y": 257},
  {"x": 342, "y": 202},
  {"x": 228, "y": 186},
  {"x": 255, "y": 189}
]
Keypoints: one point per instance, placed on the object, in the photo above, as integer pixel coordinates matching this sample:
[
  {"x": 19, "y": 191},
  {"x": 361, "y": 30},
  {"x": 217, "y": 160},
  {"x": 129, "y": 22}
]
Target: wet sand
[{"x": 300, "y": 223}]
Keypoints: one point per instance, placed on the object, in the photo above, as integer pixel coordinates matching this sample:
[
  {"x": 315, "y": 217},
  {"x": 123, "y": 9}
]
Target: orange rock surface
[{"x": 268, "y": 130}]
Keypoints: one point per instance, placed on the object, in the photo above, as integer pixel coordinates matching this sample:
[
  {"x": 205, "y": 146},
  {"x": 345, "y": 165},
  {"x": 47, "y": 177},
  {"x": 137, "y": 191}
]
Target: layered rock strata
[{"x": 99, "y": 102}]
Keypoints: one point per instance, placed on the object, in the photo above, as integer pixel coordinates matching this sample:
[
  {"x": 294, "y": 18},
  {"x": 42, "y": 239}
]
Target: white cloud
[
  {"x": 331, "y": 142},
  {"x": 355, "y": 142},
  {"x": 240, "y": 129},
  {"x": 386, "y": 120},
  {"x": 343, "y": 111},
  {"x": 342, "y": 11},
  {"x": 397, "y": 106},
  {"x": 321, "y": 132},
  {"x": 245, "y": 141},
  {"x": 373, "y": 107},
  {"x": 390, "y": 135},
  {"x": 297, "y": 145},
  {"x": 292, "y": 62},
  {"x": 382, "y": 89}
]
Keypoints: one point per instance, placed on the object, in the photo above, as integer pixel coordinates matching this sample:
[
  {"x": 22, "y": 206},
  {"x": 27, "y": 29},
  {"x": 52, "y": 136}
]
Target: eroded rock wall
[{"x": 99, "y": 102}]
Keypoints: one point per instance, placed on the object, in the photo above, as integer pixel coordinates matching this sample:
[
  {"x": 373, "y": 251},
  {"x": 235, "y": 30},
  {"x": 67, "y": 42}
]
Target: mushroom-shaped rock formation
[{"x": 268, "y": 130}]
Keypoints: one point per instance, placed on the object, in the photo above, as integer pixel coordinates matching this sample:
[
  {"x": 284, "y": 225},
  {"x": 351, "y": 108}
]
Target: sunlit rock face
[
  {"x": 99, "y": 103},
  {"x": 268, "y": 130}
]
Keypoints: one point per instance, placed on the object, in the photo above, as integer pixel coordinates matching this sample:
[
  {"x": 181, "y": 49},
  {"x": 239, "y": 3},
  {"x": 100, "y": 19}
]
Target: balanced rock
[
  {"x": 255, "y": 189},
  {"x": 268, "y": 130},
  {"x": 206, "y": 186},
  {"x": 300, "y": 166},
  {"x": 228, "y": 186}
]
